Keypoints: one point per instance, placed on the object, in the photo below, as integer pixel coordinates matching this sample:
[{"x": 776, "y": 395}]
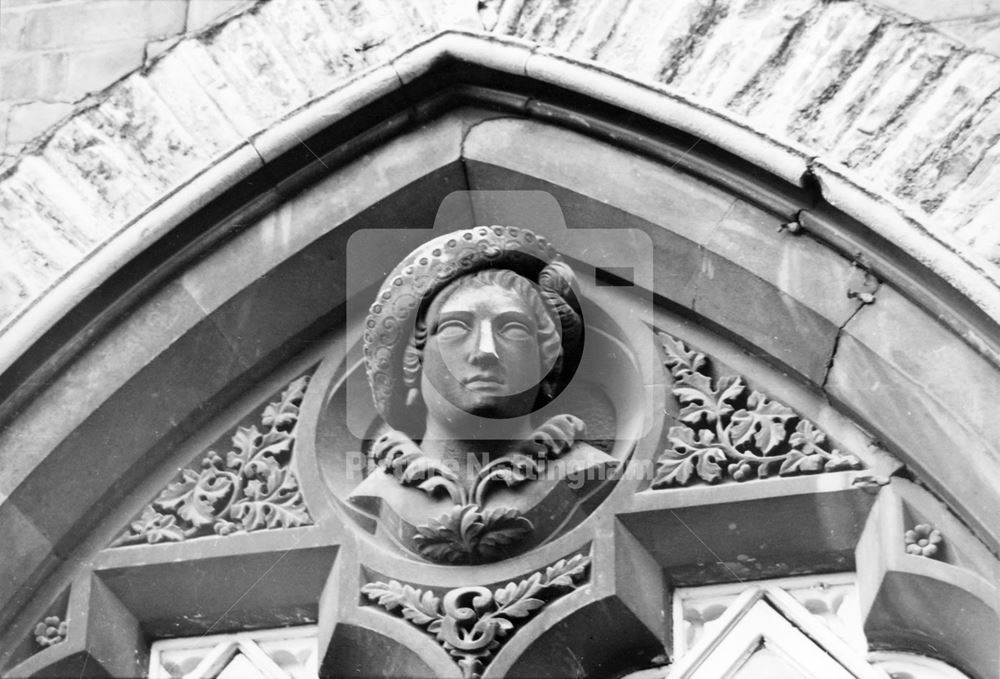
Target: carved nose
[{"x": 485, "y": 344}]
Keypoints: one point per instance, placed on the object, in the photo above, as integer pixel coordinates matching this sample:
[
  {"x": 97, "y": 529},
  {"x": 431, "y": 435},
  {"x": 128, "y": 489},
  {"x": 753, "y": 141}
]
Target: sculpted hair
[{"x": 556, "y": 320}]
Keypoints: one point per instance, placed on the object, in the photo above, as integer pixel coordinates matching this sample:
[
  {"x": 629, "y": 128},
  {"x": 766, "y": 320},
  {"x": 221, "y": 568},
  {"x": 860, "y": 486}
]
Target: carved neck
[{"x": 461, "y": 448}]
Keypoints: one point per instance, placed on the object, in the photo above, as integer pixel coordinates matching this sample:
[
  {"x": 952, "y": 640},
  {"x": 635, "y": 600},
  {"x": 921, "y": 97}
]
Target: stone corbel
[
  {"x": 102, "y": 638},
  {"x": 939, "y": 602},
  {"x": 606, "y": 600}
]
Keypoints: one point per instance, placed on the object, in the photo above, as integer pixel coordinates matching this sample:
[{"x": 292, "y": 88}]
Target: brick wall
[{"x": 53, "y": 53}]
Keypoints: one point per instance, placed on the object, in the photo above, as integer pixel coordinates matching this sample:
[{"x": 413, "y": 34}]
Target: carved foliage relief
[
  {"x": 472, "y": 623},
  {"x": 729, "y": 431},
  {"x": 468, "y": 532},
  {"x": 251, "y": 488}
]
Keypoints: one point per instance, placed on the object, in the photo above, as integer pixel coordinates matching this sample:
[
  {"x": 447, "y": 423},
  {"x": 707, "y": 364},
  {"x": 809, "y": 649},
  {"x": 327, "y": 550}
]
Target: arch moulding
[{"x": 210, "y": 301}]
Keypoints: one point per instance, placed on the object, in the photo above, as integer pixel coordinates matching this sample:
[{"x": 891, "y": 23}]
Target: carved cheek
[{"x": 520, "y": 359}]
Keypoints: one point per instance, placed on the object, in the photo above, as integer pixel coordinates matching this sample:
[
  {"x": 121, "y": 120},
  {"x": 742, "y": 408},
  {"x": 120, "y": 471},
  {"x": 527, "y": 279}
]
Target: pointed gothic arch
[{"x": 241, "y": 292}]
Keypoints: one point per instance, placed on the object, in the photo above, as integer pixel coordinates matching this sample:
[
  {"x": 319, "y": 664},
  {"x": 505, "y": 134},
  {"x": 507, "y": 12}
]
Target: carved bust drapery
[{"x": 472, "y": 334}]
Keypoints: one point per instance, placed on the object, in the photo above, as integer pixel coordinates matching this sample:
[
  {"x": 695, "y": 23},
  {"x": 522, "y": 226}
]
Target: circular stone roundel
[{"x": 486, "y": 403}]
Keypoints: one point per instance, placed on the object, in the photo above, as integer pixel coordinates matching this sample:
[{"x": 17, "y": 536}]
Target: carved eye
[
  {"x": 452, "y": 329},
  {"x": 515, "y": 330}
]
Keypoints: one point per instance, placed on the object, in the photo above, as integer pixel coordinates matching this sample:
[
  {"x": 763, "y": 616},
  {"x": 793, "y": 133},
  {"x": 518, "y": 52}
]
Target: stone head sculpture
[
  {"x": 470, "y": 334},
  {"x": 482, "y": 322}
]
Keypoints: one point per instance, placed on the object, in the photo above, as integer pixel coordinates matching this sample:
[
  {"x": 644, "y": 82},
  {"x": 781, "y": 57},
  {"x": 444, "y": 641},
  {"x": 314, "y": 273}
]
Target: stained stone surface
[
  {"x": 642, "y": 542},
  {"x": 936, "y": 395},
  {"x": 909, "y": 110}
]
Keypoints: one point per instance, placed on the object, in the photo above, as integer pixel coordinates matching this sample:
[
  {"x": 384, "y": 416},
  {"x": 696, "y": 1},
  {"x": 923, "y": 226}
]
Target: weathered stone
[
  {"x": 931, "y": 11},
  {"x": 982, "y": 32},
  {"x": 375, "y": 30},
  {"x": 15, "y": 292},
  {"x": 689, "y": 207},
  {"x": 710, "y": 534},
  {"x": 77, "y": 24},
  {"x": 816, "y": 65},
  {"x": 799, "y": 267},
  {"x": 840, "y": 110},
  {"x": 311, "y": 42},
  {"x": 34, "y": 553},
  {"x": 202, "y": 13},
  {"x": 53, "y": 196},
  {"x": 101, "y": 372},
  {"x": 155, "y": 48},
  {"x": 949, "y": 183},
  {"x": 930, "y": 398},
  {"x": 908, "y": 83},
  {"x": 27, "y": 121},
  {"x": 980, "y": 231},
  {"x": 35, "y": 235},
  {"x": 650, "y": 48},
  {"x": 197, "y": 61},
  {"x": 34, "y": 76},
  {"x": 140, "y": 126},
  {"x": 93, "y": 69},
  {"x": 281, "y": 588},
  {"x": 947, "y": 606},
  {"x": 262, "y": 64},
  {"x": 52, "y": 494},
  {"x": 970, "y": 202},
  {"x": 45, "y": 235},
  {"x": 114, "y": 189},
  {"x": 34, "y": 268},
  {"x": 945, "y": 116},
  {"x": 259, "y": 77},
  {"x": 577, "y": 28},
  {"x": 774, "y": 298},
  {"x": 11, "y": 27},
  {"x": 192, "y": 107},
  {"x": 743, "y": 50}
]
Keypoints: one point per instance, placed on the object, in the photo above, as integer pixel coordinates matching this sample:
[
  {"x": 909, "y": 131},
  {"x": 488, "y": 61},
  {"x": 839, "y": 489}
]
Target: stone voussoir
[{"x": 909, "y": 110}]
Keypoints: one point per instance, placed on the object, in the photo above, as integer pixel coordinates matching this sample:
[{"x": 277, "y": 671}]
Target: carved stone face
[{"x": 482, "y": 355}]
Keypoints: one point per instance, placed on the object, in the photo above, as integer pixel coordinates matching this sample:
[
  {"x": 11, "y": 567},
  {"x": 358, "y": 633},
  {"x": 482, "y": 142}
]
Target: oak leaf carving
[
  {"x": 727, "y": 429},
  {"x": 764, "y": 421}
]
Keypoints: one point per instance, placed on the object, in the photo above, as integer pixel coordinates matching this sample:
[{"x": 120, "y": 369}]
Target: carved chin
[
  {"x": 488, "y": 405},
  {"x": 496, "y": 406}
]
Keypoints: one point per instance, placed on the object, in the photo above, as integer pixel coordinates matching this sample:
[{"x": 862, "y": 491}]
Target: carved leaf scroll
[
  {"x": 251, "y": 488},
  {"x": 469, "y": 533},
  {"x": 472, "y": 623},
  {"x": 729, "y": 430}
]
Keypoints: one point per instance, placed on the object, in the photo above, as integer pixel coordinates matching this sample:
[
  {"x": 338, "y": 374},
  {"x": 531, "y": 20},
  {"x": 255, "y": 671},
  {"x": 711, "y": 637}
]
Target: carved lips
[{"x": 484, "y": 382}]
